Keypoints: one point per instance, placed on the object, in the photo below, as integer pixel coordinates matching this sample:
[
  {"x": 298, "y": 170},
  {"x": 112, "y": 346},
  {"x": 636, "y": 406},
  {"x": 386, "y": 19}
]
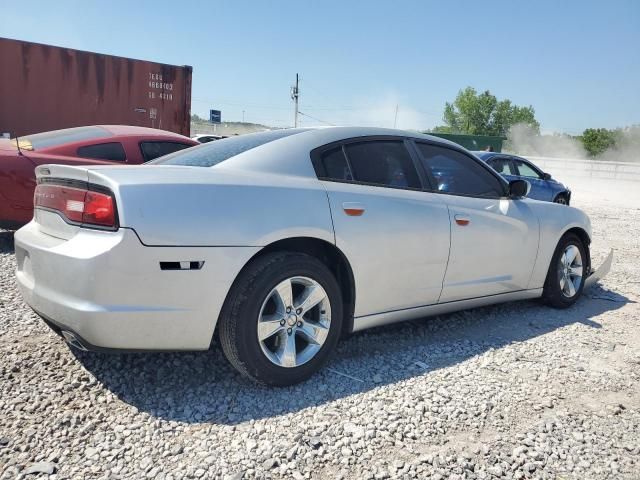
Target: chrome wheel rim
[
  {"x": 570, "y": 271},
  {"x": 294, "y": 322},
  {"x": 561, "y": 200}
]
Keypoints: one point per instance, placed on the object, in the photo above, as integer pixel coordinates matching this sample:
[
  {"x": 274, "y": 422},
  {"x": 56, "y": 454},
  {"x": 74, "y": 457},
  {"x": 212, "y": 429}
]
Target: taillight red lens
[
  {"x": 77, "y": 205},
  {"x": 98, "y": 209}
]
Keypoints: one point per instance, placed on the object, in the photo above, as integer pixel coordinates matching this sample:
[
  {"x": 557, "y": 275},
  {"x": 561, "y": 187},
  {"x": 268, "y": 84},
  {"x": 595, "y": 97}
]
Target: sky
[{"x": 576, "y": 62}]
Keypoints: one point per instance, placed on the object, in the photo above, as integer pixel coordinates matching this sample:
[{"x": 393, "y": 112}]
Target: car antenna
[{"x": 18, "y": 146}]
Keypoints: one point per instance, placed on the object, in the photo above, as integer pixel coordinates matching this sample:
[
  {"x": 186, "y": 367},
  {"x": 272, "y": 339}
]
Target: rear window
[
  {"x": 103, "y": 151},
  {"x": 153, "y": 150},
  {"x": 56, "y": 138},
  {"x": 210, "y": 154}
]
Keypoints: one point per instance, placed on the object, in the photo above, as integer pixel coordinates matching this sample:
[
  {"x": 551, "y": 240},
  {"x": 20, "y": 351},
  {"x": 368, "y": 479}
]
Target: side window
[
  {"x": 152, "y": 150},
  {"x": 335, "y": 166},
  {"x": 502, "y": 165},
  {"x": 383, "y": 162},
  {"x": 103, "y": 151},
  {"x": 525, "y": 170},
  {"x": 458, "y": 174}
]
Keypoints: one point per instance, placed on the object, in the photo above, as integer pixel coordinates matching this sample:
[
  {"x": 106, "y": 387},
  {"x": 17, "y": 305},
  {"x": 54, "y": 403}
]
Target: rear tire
[
  {"x": 274, "y": 341},
  {"x": 567, "y": 273}
]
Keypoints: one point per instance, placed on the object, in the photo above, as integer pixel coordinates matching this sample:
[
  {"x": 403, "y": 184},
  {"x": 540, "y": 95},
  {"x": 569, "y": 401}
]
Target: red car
[{"x": 99, "y": 144}]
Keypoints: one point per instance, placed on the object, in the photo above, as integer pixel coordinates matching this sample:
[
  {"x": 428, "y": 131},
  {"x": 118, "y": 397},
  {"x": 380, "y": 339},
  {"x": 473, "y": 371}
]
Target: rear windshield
[
  {"x": 56, "y": 138},
  {"x": 210, "y": 154}
]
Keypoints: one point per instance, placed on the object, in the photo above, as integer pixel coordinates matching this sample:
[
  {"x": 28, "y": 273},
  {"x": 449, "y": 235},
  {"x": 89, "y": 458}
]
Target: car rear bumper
[{"x": 108, "y": 289}]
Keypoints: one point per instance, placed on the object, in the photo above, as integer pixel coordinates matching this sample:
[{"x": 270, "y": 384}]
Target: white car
[
  {"x": 283, "y": 241},
  {"x": 207, "y": 137}
]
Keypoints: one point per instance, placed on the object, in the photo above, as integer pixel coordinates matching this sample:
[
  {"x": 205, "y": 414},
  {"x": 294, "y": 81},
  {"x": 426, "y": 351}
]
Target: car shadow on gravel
[
  {"x": 200, "y": 387},
  {"x": 6, "y": 242}
]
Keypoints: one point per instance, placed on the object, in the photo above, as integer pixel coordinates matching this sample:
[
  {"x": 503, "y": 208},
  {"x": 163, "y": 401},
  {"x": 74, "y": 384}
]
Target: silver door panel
[
  {"x": 398, "y": 246},
  {"x": 493, "y": 250}
]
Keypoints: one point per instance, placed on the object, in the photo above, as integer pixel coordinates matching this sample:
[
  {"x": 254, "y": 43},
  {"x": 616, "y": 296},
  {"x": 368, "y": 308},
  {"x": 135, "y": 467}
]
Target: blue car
[{"x": 543, "y": 187}]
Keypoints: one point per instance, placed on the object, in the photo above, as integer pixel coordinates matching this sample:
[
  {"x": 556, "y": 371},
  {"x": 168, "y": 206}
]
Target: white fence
[{"x": 594, "y": 169}]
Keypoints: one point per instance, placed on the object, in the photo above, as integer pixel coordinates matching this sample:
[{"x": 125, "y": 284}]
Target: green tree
[
  {"x": 597, "y": 140},
  {"x": 483, "y": 114}
]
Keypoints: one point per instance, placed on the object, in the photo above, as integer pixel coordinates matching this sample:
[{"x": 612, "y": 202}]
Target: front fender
[{"x": 555, "y": 221}]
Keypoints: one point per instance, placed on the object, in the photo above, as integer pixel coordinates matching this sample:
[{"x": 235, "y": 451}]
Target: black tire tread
[
  {"x": 240, "y": 293},
  {"x": 551, "y": 294}
]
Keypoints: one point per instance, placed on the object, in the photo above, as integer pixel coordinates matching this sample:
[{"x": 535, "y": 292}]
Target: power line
[
  {"x": 316, "y": 119},
  {"x": 237, "y": 104},
  {"x": 308, "y": 107}
]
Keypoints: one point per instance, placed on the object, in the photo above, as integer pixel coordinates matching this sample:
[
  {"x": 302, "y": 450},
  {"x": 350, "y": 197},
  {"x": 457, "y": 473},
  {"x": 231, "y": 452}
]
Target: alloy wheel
[
  {"x": 294, "y": 321},
  {"x": 570, "y": 271}
]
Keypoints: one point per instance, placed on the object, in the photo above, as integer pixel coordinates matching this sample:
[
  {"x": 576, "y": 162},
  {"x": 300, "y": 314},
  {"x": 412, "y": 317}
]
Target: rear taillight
[{"x": 78, "y": 205}]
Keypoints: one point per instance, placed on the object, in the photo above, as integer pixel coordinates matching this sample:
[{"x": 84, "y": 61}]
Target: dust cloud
[
  {"x": 611, "y": 178},
  {"x": 523, "y": 140}
]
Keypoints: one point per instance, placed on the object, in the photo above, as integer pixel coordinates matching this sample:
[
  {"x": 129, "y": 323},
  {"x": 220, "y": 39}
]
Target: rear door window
[
  {"x": 103, "y": 151},
  {"x": 459, "y": 174},
  {"x": 502, "y": 165},
  {"x": 153, "y": 150},
  {"x": 525, "y": 170},
  {"x": 382, "y": 162}
]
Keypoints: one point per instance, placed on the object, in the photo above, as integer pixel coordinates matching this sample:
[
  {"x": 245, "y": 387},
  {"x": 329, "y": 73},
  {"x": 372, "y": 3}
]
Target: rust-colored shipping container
[{"x": 43, "y": 88}]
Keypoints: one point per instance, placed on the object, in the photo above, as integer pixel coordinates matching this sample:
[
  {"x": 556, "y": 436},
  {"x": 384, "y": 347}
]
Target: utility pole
[
  {"x": 242, "y": 116},
  {"x": 395, "y": 119},
  {"x": 295, "y": 93}
]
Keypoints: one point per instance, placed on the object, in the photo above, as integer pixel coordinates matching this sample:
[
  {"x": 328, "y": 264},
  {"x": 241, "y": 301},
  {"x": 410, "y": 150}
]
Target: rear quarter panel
[{"x": 211, "y": 207}]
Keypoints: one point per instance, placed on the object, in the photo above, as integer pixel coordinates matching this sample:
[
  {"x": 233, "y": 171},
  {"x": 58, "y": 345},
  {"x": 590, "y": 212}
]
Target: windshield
[
  {"x": 56, "y": 138},
  {"x": 210, "y": 154}
]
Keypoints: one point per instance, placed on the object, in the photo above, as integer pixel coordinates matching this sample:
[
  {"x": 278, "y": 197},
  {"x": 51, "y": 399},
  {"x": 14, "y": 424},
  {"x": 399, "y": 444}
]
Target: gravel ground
[{"x": 512, "y": 391}]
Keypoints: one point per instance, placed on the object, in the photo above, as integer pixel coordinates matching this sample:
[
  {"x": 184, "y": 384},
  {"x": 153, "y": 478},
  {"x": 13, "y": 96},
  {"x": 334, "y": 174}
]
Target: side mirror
[
  {"x": 546, "y": 176},
  {"x": 519, "y": 188}
]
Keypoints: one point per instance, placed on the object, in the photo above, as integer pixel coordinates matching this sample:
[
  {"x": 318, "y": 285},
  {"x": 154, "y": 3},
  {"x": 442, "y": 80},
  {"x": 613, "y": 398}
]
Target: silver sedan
[{"x": 281, "y": 242}]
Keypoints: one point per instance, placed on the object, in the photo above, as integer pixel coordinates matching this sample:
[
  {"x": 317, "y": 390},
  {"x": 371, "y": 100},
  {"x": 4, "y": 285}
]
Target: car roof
[
  {"x": 67, "y": 136},
  {"x": 282, "y": 156},
  {"x": 117, "y": 130},
  {"x": 484, "y": 155},
  {"x": 343, "y": 133}
]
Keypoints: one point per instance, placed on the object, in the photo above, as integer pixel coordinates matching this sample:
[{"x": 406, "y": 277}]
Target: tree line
[{"x": 481, "y": 113}]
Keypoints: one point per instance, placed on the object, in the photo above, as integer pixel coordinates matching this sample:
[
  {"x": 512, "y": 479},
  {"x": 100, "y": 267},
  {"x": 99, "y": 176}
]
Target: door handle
[
  {"x": 353, "y": 209},
  {"x": 462, "y": 220}
]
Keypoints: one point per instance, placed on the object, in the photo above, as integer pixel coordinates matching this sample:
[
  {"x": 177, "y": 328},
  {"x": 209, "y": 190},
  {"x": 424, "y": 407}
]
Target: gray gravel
[{"x": 512, "y": 391}]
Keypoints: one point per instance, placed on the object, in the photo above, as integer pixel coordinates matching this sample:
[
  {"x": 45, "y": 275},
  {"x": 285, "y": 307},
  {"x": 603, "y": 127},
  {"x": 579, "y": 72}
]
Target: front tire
[
  {"x": 561, "y": 199},
  {"x": 282, "y": 318},
  {"x": 567, "y": 272}
]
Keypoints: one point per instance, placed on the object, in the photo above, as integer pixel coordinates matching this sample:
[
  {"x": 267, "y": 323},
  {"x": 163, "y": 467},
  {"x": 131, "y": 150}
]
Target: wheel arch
[
  {"x": 562, "y": 193},
  {"x": 329, "y": 254},
  {"x": 583, "y": 235}
]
